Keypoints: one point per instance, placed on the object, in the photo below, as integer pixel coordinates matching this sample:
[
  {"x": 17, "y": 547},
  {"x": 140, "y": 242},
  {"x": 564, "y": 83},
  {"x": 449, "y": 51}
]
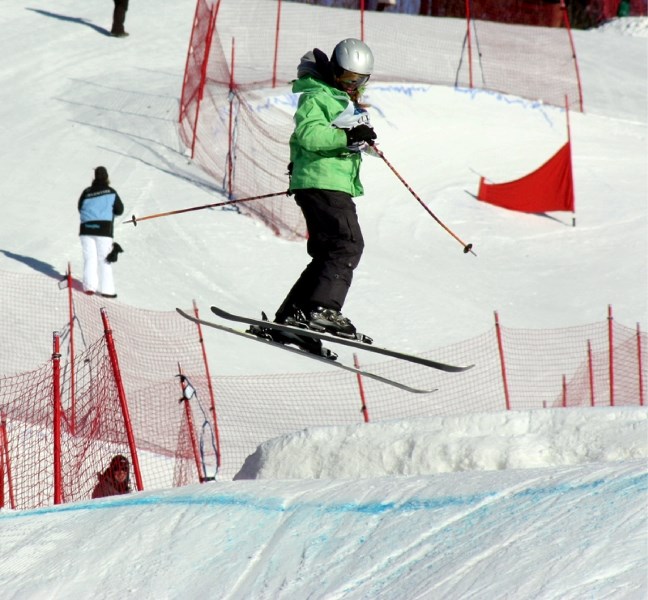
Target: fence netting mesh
[
  {"x": 599, "y": 364},
  {"x": 238, "y": 123}
]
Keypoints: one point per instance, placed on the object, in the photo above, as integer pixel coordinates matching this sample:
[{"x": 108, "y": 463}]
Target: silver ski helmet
[{"x": 354, "y": 56}]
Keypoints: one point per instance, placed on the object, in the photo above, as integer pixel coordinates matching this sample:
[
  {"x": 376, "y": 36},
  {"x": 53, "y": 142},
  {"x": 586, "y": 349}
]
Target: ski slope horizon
[{"x": 533, "y": 504}]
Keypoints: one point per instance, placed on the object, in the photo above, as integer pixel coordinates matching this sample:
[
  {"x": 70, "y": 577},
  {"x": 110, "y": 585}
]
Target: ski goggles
[{"x": 352, "y": 80}]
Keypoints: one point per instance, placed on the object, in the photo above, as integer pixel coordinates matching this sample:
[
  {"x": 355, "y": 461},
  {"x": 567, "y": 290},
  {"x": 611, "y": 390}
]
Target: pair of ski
[{"x": 262, "y": 325}]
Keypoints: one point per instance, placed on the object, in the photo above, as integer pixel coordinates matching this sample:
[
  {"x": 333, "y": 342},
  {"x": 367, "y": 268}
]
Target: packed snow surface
[{"x": 545, "y": 504}]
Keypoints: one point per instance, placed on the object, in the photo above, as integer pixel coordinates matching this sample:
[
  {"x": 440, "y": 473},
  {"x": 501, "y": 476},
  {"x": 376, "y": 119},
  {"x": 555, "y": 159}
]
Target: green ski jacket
[{"x": 318, "y": 150}]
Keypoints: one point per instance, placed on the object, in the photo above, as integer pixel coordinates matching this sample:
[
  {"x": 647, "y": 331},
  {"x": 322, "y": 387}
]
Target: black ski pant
[
  {"x": 335, "y": 245},
  {"x": 119, "y": 16}
]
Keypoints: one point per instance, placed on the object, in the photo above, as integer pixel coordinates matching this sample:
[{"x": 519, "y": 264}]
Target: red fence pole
[
  {"x": 56, "y": 398},
  {"x": 611, "y": 353},
  {"x": 469, "y": 42},
  {"x": 500, "y": 345},
  {"x": 564, "y": 391},
  {"x": 72, "y": 422},
  {"x": 590, "y": 366},
  {"x": 571, "y": 168},
  {"x": 230, "y": 135},
  {"x": 190, "y": 423},
  {"x": 640, "y": 367},
  {"x": 362, "y": 11},
  {"x": 573, "y": 49},
  {"x": 203, "y": 74},
  {"x": 276, "y": 48},
  {"x": 212, "y": 400},
  {"x": 5, "y": 466},
  {"x": 2, "y": 469},
  {"x": 112, "y": 352},
  {"x": 363, "y": 410}
]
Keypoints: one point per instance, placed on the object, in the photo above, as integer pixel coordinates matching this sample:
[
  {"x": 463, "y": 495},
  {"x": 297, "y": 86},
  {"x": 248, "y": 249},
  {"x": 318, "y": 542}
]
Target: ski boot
[
  {"x": 329, "y": 320},
  {"x": 303, "y": 342}
]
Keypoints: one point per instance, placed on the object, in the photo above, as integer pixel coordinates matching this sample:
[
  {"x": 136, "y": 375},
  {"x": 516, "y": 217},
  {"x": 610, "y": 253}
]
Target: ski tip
[
  {"x": 459, "y": 369},
  {"x": 444, "y": 366},
  {"x": 184, "y": 313}
]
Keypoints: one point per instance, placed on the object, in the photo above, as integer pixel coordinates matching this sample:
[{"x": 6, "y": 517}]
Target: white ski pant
[{"x": 97, "y": 273}]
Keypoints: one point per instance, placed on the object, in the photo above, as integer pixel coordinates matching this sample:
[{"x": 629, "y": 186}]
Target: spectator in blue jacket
[{"x": 98, "y": 206}]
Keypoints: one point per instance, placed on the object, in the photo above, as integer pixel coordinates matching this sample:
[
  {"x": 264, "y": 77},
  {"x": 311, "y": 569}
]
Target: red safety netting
[
  {"x": 598, "y": 364},
  {"x": 92, "y": 430},
  {"x": 238, "y": 132},
  {"x": 150, "y": 347},
  {"x": 532, "y": 12}
]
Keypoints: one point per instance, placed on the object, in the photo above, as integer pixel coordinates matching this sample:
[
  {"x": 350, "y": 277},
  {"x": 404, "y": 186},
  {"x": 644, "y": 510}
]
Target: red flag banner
[{"x": 548, "y": 188}]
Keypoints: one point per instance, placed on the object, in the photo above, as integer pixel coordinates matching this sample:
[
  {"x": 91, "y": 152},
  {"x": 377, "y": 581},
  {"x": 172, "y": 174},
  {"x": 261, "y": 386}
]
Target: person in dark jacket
[
  {"x": 98, "y": 206},
  {"x": 115, "y": 480},
  {"x": 119, "y": 17},
  {"x": 332, "y": 130}
]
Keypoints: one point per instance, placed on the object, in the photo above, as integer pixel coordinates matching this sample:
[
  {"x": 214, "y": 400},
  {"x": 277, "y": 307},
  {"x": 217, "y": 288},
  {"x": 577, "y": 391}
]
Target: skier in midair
[{"x": 332, "y": 128}]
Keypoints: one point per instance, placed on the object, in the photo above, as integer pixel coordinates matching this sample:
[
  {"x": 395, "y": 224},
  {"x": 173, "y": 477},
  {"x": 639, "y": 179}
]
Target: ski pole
[
  {"x": 134, "y": 220},
  {"x": 467, "y": 247}
]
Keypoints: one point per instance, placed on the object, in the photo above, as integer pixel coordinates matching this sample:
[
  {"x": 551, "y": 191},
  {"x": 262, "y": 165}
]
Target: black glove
[
  {"x": 360, "y": 133},
  {"x": 114, "y": 253}
]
